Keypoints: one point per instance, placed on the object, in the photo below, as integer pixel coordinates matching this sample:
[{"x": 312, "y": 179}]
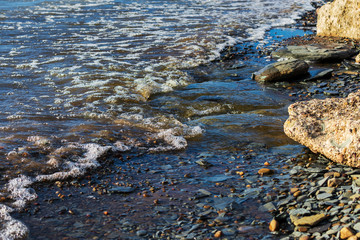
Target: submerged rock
[
  {"x": 329, "y": 127},
  {"x": 284, "y": 70},
  {"x": 341, "y": 18},
  {"x": 318, "y": 53}
]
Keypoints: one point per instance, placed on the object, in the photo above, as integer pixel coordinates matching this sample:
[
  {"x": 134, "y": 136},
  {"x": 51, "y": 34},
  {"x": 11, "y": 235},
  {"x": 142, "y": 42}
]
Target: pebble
[
  {"x": 141, "y": 233},
  {"x": 309, "y": 220},
  {"x": 274, "y": 225},
  {"x": 218, "y": 234},
  {"x": 265, "y": 171},
  {"x": 346, "y": 232}
]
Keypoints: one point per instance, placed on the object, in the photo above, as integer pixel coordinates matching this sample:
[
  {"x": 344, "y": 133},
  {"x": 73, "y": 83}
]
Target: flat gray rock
[{"x": 315, "y": 53}]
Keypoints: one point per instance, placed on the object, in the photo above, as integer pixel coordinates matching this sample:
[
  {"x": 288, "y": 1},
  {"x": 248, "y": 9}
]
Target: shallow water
[{"x": 81, "y": 78}]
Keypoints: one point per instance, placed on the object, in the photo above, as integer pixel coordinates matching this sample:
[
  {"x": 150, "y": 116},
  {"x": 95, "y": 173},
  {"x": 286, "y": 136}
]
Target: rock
[
  {"x": 357, "y": 59},
  {"x": 323, "y": 196},
  {"x": 218, "y": 234},
  {"x": 321, "y": 75},
  {"x": 265, "y": 171},
  {"x": 284, "y": 70},
  {"x": 309, "y": 220},
  {"x": 341, "y": 18},
  {"x": 228, "y": 232},
  {"x": 274, "y": 225},
  {"x": 334, "y": 182},
  {"x": 332, "y": 174},
  {"x": 356, "y": 227},
  {"x": 121, "y": 190},
  {"x": 328, "y": 127},
  {"x": 318, "y": 53},
  {"x": 304, "y": 238},
  {"x": 346, "y": 232},
  {"x": 269, "y": 207},
  {"x": 141, "y": 233}
]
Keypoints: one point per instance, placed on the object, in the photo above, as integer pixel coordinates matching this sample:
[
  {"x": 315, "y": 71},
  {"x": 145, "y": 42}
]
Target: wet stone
[
  {"x": 121, "y": 190},
  {"x": 228, "y": 231},
  {"x": 323, "y": 196}
]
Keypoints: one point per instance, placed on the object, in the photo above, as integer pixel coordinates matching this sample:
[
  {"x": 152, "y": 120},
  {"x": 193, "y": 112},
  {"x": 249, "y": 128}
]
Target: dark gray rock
[
  {"x": 284, "y": 70},
  {"x": 121, "y": 190}
]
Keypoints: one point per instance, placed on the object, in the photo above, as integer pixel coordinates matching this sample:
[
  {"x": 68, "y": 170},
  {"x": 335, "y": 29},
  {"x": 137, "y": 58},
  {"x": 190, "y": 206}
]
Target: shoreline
[{"x": 161, "y": 194}]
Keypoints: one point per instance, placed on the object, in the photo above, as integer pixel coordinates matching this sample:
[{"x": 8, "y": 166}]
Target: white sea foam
[{"x": 11, "y": 228}]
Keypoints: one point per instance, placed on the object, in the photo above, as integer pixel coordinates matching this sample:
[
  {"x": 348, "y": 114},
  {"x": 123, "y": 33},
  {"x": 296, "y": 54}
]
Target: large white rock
[
  {"x": 330, "y": 127},
  {"x": 341, "y": 18}
]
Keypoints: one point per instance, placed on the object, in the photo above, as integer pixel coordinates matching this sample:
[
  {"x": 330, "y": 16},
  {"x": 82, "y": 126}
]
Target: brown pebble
[
  {"x": 274, "y": 225},
  {"x": 304, "y": 238},
  {"x": 265, "y": 171},
  {"x": 346, "y": 232},
  {"x": 218, "y": 234},
  {"x": 332, "y": 174},
  {"x": 294, "y": 190},
  {"x": 302, "y": 229},
  {"x": 333, "y": 182},
  {"x": 298, "y": 193},
  {"x": 353, "y": 238}
]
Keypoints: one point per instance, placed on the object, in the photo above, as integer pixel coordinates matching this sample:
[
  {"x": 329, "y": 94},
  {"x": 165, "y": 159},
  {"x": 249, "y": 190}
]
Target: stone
[
  {"x": 141, "y": 233},
  {"x": 332, "y": 174},
  {"x": 299, "y": 212},
  {"x": 228, "y": 232},
  {"x": 268, "y": 207},
  {"x": 323, "y": 196},
  {"x": 309, "y": 220},
  {"x": 328, "y": 126},
  {"x": 321, "y": 75},
  {"x": 218, "y": 234},
  {"x": 341, "y": 18},
  {"x": 356, "y": 227},
  {"x": 121, "y": 190},
  {"x": 334, "y": 182},
  {"x": 357, "y": 58},
  {"x": 274, "y": 225},
  {"x": 283, "y": 70},
  {"x": 317, "y": 53},
  {"x": 265, "y": 171},
  {"x": 304, "y": 238},
  {"x": 346, "y": 232}
]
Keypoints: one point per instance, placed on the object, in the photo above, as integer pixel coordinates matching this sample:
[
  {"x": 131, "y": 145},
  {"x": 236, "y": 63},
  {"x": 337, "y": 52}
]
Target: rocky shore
[{"x": 216, "y": 195}]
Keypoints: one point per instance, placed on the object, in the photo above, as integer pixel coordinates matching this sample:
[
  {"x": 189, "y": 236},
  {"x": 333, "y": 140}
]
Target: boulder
[
  {"x": 318, "y": 52},
  {"x": 328, "y": 126},
  {"x": 284, "y": 70},
  {"x": 341, "y": 18}
]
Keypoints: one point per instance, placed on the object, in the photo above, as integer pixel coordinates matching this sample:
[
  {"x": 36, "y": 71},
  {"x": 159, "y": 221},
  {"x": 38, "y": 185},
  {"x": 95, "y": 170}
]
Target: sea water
[{"x": 80, "y": 78}]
